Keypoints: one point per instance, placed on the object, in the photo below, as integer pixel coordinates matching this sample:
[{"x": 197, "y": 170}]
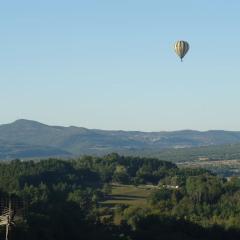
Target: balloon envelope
[{"x": 181, "y": 48}]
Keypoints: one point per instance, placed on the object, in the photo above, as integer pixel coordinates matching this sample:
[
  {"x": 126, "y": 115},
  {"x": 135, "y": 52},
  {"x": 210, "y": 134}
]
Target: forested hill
[
  {"x": 25, "y": 138},
  {"x": 61, "y": 199}
]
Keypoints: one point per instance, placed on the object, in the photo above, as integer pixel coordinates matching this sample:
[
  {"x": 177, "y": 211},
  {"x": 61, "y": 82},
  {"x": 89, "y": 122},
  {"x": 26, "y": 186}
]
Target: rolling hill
[{"x": 25, "y": 138}]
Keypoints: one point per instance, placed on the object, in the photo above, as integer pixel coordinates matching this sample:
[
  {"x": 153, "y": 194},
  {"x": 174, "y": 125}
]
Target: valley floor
[{"x": 225, "y": 168}]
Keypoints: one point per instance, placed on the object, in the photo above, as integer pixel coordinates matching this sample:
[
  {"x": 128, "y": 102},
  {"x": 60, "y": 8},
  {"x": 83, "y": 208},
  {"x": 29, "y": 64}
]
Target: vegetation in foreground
[{"x": 115, "y": 197}]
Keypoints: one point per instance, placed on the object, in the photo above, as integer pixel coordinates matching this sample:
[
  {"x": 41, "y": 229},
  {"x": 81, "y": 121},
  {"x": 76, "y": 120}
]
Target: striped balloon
[{"x": 181, "y": 48}]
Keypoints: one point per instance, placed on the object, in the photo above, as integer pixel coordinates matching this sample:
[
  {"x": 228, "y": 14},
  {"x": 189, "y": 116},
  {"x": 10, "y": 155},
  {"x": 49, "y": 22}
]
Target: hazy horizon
[
  {"x": 111, "y": 65},
  {"x": 129, "y": 130}
]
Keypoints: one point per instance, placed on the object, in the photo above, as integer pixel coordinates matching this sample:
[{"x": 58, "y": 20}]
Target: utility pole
[
  {"x": 8, "y": 211},
  {"x": 9, "y": 219},
  {"x": 6, "y": 217}
]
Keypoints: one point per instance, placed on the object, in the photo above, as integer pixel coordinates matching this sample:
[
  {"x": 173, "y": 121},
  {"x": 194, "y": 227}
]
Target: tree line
[{"x": 63, "y": 200}]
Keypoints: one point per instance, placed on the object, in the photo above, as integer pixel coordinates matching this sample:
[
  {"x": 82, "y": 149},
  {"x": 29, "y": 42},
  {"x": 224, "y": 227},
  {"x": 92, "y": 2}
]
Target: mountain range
[{"x": 31, "y": 139}]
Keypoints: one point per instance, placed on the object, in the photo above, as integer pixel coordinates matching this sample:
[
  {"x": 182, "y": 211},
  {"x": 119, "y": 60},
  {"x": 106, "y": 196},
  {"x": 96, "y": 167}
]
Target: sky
[{"x": 111, "y": 65}]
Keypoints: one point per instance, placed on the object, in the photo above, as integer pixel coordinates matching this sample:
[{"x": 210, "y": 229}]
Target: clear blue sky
[{"x": 111, "y": 65}]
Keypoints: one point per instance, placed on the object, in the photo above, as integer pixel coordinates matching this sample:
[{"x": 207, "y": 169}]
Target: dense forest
[{"x": 64, "y": 200}]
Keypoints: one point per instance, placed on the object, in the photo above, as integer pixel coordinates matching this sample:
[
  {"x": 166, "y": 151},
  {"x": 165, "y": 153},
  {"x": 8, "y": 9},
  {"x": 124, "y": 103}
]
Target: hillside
[
  {"x": 19, "y": 150},
  {"x": 117, "y": 198},
  {"x": 24, "y": 138}
]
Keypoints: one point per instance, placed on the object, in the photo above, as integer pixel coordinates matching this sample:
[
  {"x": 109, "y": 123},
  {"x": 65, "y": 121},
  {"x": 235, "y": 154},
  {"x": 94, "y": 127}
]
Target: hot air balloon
[{"x": 181, "y": 48}]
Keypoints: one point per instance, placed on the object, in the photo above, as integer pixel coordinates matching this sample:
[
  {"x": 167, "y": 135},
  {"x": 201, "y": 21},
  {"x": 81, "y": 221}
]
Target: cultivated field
[
  {"x": 125, "y": 195},
  {"x": 128, "y": 195}
]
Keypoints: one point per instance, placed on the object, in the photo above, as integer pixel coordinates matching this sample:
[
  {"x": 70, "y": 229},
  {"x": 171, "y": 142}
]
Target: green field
[{"x": 128, "y": 195}]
